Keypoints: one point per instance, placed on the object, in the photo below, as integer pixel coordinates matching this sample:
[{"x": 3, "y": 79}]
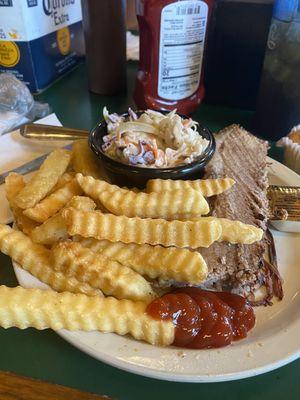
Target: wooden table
[{"x": 44, "y": 355}]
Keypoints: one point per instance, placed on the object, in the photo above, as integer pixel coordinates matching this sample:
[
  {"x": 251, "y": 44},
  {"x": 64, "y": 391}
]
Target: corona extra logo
[{"x": 54, "y": 8}]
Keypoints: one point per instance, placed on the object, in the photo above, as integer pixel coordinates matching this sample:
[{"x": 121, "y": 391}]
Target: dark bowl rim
[{"x": 206, "y": 156}]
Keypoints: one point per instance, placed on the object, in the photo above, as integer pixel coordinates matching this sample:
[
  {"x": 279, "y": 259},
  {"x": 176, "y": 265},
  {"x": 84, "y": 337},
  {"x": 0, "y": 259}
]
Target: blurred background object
[
  {"x": 132, "y": 39},
  {"x": 17, "y": 105},
  {"x": 131, "y": 20},
  {"x": 40, "y": 41},
  {"x": 291, "y": 146},
  {"x": 133, "y": 46},
  {"x": 105, "y": 39},
  {"x": 235, "y": 52},
  {"x": 278, "y": 107}
]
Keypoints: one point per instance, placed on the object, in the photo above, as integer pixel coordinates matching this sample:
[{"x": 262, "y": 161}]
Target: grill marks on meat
[{"x": 241, "y": 156}]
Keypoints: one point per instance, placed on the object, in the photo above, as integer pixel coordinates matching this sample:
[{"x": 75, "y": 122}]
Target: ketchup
[
  {"x": 204, "y": 319},
  {"x": 172, "y": 38}
]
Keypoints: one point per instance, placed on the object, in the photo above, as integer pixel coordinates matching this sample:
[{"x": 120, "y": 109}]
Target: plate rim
[
  {"x": 173, "y": 377},
  {"x": 149, "y": 372}
]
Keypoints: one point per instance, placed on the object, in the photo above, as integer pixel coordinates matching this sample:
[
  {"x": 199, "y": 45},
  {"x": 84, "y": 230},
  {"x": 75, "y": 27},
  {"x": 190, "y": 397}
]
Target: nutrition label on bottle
[{"x": 182, "y": 36}]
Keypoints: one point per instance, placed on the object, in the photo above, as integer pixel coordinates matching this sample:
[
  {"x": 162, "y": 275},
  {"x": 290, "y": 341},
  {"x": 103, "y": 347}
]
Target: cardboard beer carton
[{"x": 40, "y": 40}]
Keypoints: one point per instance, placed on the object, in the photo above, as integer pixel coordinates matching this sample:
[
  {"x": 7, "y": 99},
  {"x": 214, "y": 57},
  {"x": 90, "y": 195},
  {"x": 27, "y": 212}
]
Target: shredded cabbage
[{"x": 152, "y": 140}]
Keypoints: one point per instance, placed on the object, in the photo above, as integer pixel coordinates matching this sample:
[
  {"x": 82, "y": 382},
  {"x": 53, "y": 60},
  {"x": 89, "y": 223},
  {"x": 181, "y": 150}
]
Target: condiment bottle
[
  {"x": 172, "y": 39},
  {"x": 105, "y": 40}
]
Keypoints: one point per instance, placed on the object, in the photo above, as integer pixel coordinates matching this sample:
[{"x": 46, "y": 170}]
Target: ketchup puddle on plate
[{"x": 204, "y": 319}]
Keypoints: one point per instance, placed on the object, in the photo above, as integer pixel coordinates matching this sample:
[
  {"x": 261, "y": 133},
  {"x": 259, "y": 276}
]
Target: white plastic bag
[{"x": 17, "y": 105}]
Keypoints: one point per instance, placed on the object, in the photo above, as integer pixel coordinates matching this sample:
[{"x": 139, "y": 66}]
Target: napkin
[{"x": 16, "y": 151}]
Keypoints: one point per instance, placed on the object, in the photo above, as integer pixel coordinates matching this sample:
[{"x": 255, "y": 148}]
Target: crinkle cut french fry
[
  {"x": 25, "y": 224},
  {"x": 94, "y": 187},
  {"x": 154, "y": 205},
  {"x": 82, "y": 203},
  {"x": 138, "y": 230},
  {"x": 84, "y": 161},
  {"x": 180, "y": 265},
  {"x": 54, "y": 202},
  {"x": 13, "y": 184},
  {"x": 54, "y": 229},
  {"x": 133, "y": 189},
  {"x": 208, "y": 187},
  {"x": 51, "y": 231},
  {"x": 63, "y": 180},
  {"x": 100, "y": 272},
  {"x": 36, "y": 260},
  {"x": 41, "y": 309},
  {"x": 45, "y": 179},
  {"x": 236, "y": 231}
]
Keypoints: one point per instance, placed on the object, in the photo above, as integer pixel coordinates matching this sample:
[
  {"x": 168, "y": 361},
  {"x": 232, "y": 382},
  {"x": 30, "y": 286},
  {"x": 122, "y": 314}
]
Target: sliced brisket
[{"x": 241, "y": 156}]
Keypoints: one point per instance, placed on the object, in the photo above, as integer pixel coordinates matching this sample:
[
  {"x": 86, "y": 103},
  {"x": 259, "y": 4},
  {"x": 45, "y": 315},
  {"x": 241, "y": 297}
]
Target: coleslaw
[{"x": 153, "y": 140}]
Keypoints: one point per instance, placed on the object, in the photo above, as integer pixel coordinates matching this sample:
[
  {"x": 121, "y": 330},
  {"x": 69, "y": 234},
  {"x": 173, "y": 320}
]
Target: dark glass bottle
[{"x": 105, "y": 41}]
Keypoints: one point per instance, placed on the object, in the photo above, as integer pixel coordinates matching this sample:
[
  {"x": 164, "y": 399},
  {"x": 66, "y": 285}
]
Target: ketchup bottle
[{"x": 172, "y": 38}]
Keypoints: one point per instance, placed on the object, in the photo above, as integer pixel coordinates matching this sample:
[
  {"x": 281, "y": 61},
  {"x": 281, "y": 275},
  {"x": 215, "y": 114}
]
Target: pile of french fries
[{"x": 103, "y": 249}]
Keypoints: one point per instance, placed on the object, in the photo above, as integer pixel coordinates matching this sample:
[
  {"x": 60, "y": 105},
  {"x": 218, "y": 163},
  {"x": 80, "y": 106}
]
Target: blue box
[{"x": 40, "y": 40}]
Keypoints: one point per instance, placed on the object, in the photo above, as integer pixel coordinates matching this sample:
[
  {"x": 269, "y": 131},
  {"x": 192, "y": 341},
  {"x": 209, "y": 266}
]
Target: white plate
[{"x": 275, "y": 340}]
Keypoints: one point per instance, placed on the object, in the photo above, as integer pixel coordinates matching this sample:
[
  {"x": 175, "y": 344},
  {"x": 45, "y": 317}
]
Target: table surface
[{"x": 44, "y": 355}]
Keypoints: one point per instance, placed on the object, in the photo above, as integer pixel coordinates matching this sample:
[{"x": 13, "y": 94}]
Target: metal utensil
[
  {"x": 44, "y": 132},
  {"x": 49, "y": 132},
  {"x": 28, "y": 167}
]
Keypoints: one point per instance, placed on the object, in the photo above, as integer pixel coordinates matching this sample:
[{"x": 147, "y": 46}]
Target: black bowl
[{"x": 128, "y": 175}]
